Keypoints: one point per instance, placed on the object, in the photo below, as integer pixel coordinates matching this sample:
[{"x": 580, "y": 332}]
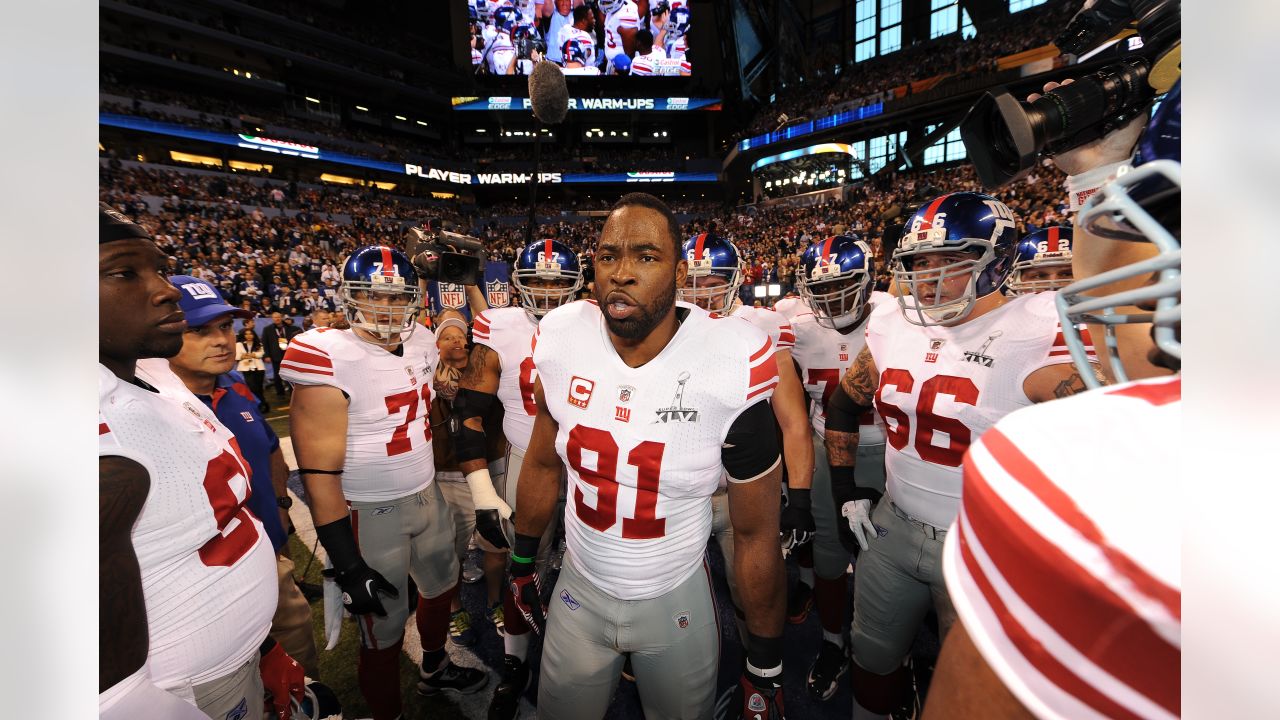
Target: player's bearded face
[{"x": 637, "y": 272}]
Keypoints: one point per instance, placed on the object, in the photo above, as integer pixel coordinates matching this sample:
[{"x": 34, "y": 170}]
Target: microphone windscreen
[{"x": 548, "y": 93}]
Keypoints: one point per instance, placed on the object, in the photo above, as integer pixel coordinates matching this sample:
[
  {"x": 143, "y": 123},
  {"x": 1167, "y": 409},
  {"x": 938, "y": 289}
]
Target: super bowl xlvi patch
[
  {"x": 383, "y": 510},
  {"x": 569, "y": 600},
  {"x": 239, "y": 712},
  {"x": 755, "y": 703},
  {"x": 980, "y": 355},
  {"x": 678, "y": 412},
  {"x": 681, "y": 619}
]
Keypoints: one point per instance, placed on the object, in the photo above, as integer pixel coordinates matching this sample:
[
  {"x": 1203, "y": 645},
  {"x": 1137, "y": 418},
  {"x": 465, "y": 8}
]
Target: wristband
[
  {"x": 339, "y": 541},
  {"x": 798, "y": 498},
  {"x": 841, "y": 475},
  {"x": 1081, "y": 187},
  {"x": 764, "y": 655},
  {"x": 525, "y": 549}
]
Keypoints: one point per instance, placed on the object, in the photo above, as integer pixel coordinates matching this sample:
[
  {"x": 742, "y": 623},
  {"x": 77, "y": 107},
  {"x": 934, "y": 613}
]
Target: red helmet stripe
[
  {"x": 697, "y": 246},
  {"x": 931, "y": 211},
  {"x": 1053, "y": 239},
  {"x": 388, "y": 264},
  {"x": 826, "y": 247},
  {"x": 547, "y": 252}
]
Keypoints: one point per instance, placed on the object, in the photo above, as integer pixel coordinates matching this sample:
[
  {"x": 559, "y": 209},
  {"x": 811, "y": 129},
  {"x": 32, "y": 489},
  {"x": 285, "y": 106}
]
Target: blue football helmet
[
  {"x": 380, "y": 294},
  {"x": 1141, "y": 205},
  {"x": 711, "y": 256},
  {"x": 678, "y": 23},
  {"x": 505, "y": 18},
  {"x": 835, "y": 280},
  {"x": 609, "y": 7},
  {"x": 573, "y": 52},
  {"x": 547, "y": 275},
  {"x": 968, "y": 222},
  {"x": 1048, "y": 249}
]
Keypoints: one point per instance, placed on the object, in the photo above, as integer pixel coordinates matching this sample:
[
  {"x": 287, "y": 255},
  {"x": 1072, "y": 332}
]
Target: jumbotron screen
[{"x": 610, "y": 38}]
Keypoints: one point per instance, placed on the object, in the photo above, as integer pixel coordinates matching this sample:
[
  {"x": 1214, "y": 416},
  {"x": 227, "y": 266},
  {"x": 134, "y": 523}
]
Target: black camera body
[
  {"x": 438, "y": 253},
  {"x": 1006, "y": 137}
]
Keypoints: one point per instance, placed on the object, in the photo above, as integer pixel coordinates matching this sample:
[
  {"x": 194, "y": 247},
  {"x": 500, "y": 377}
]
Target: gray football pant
[
  {"x": 898, "y": 578},
  {"x": 830, "y": 558},
  {"x": 238, "y": 694},
  {"x": 412, "y": 535},
  {"x": 674, "y": 641}
]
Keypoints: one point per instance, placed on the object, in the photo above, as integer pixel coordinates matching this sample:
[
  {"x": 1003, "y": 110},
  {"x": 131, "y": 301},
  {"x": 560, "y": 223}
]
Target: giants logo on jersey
[
  {"x": 934, "y": 346},
  {"x": 580, "y": 390}
]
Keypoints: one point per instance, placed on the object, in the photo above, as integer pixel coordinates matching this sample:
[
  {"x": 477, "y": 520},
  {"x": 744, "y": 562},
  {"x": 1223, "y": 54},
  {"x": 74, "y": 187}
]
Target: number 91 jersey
[
  {"x": 642, "y": 445},
  {"x": 389, "y": 451}
]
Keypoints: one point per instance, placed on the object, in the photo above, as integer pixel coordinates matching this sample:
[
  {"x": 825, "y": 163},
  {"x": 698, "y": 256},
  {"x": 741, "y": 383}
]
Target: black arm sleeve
[
  {"x": 751, "y": 447},
  {"x": 469, "y": 444},
  {"x": 842, "y": 413}
]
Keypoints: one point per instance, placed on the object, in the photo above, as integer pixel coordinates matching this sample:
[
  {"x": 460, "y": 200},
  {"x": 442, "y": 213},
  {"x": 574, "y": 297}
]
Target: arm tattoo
[
  {"x": 861, "y": 380},
  {"x": 842, "y": 448},
  {"x": 475, "y": 367},
  {"x": 1073, "y": 385}
]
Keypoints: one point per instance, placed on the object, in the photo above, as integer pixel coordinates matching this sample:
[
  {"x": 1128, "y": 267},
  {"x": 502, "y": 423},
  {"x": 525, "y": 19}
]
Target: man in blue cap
[{"x": 205, "y": 365}]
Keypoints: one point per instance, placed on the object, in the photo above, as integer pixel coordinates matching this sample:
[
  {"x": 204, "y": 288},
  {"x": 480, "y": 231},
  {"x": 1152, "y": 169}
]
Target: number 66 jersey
[
  {"x": 642, "y": 446},
  {"x": 388, "y": 434}
]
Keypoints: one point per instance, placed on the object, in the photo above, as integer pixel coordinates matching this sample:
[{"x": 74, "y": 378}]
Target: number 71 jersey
[
  {"x": 642, "y": 445},
  {"x": 389, "y": 451}
]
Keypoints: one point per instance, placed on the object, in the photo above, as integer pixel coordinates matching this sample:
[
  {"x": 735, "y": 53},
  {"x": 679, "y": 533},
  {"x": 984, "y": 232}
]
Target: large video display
[{"x": 609, "y": 38}]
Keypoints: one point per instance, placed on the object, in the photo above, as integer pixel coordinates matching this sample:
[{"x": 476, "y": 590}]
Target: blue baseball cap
[{"x": 202, "y": 303}]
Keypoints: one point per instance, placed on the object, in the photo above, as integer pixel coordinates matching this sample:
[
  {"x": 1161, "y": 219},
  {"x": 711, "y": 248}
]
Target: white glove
[
  {"x": 333, "y": 610},
  {"x": 858, "y": 513},
  {"x": 483, "y": 496}
]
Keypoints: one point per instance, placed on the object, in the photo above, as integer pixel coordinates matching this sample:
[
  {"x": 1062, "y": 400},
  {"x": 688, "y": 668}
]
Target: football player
[
  {"x": 1044, "y": 262},
  {"x": 953, "y": 357},
  {"x": 1036, "y": 525},
  {"x": 834, "y": 279},
  {"x": 575, "y": 60},
  {"x": 621, "y": 21},
  {"x": 650, "y": 59},
  {"x": 359, "y": 426},
  {"x": 583, "y": 32},
  {"x": 647, "y": 402},
  {"x": 172, "y": 515},
  {"x": 501, "y": 369},
  {"x": 675, "y": 40},
  {"x": 715, "y": 274}
]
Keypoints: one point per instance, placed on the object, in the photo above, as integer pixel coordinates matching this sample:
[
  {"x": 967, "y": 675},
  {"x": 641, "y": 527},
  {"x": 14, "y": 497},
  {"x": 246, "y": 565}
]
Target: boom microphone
[{"x": 548, "y": 93}]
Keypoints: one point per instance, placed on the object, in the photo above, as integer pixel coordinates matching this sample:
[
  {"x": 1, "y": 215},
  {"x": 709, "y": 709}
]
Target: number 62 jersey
[
  {"x": 642, "y": 446},
  {"x": 389, "y": 451}
]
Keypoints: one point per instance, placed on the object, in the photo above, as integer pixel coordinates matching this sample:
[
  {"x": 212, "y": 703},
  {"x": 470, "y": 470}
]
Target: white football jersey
[
  {"x": 502, "y": 55},
  {"x": 208, "y": 569},
  {"x": 789, "y": 307},
  {"x": 771, "y": 322},
  {"x": 676, "y": 49},
  {"x": 1041, "y": 520},
  {"x": 824, "y": 355},
  {"x": 642, "y": 446},
  {"x": 657, "y": 63},
  {"x": 581, "y": 71},
  {"x": 586, "y": 40},
  {"x": 509, "y": 333},
  {"x": 626, "y": 17},
  {"x": 942, "y": 387},
  {"x": 389, "y": 451}
]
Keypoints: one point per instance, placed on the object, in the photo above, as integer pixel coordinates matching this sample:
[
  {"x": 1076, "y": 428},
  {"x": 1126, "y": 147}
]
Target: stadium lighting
[
  {"x": 248, "y": 75},
  {"x": 422, "y": 123},
  {"x": 401, "y": 117},
  {"x": 480, "y": 130},
  {"x": 775, "y": 290},
  {"x": 664, "y": 133},
  {"x": 624, "y": 133},
  {"x": 613, "y": 133},
  {"x": 758, "y": 290},
  {"x": 309, "y": 98},
  {"x": 362, "y": 108}
]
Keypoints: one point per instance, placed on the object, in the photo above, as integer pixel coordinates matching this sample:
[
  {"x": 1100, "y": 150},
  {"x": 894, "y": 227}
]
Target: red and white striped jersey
[
  {"x": 1066, "y": 572},
  {"x": 624, "y": 18},
  {"x": 942, "y": 387},
  {"x": 389, "y": 451},
  {"x": 771, "y": 322},
  {"x": 824, "y": 355},
  {"x": 509, "y": 333},
  {"x": 208, "y": 569},
  {"x": 642, "y": 446}
]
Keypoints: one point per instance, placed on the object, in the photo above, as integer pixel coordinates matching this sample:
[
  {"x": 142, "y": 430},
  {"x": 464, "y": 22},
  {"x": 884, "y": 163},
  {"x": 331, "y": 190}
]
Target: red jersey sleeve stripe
[
  {"x": 1160, "y": 393},
  {"x": 103, "y": 429},
  {"x": 1026, "y": 472},
  {"x": 763, "y": 373},
  {"x": 786, "y": 336},
  {"x": 762, "y": 390},
  {"x": 312, "y": 348},
  {"x": 286, "y": 365},
  {"x": 1032, "y": 649},
  {"x": 764, "y": 349},
  {"x": 1095, "y": 620},
  {"x": 295, "y": 355}
]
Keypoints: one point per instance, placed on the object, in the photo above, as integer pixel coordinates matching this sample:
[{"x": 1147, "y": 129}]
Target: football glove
[
  {"x": 860, "y": 527},
  {"x": 360, "y": 583},
  {"x": 796, "y": 525},
  {"x": 490, "y": 509},
  {"x": 759, "y": 698},
  {"x": 524, "y": 584},
  {"x": 283, "y": 679}
]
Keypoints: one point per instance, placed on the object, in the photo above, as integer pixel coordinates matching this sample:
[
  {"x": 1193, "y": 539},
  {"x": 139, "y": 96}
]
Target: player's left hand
[
  {"x": 796, "y": 526},
  {"x": 758, "y": 698},
  {"x": 858, "y": 514},
  {"x": 283, "y": 679},
  {"x": 526, "y": 591}
]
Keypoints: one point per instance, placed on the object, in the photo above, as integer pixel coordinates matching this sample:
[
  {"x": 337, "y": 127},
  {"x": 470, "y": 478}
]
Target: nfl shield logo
[
  {"x": 453, "y": 296},
  {"x": 499, "y": 293}
]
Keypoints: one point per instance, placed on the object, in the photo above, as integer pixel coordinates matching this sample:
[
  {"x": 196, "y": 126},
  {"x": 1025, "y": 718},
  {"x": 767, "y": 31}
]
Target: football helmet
[
  {"x": 1141, "y": 205},
  {"x": 1046, "y": 248},
  {"x": 380, "y": 294},
  {"x": 709, "y": 256},
  {"x": 573, "y": 52},
  {"x": 678, "y": 23},
  {"x": 318, "y": 703},
  {"x": 835, "y": 280},
  {"x": 967, "y": 222},
  {"x": 547, "y": 275},
  {"x": 504, "y": 18},
  {"x": 611, "y": 6}
]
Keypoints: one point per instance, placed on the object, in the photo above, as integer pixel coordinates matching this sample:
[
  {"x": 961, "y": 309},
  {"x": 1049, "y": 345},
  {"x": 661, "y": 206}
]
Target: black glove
[
  {"x": 796, "y": 526},
  {"x": 758, "y": 695},
  {"x": 360, "y": 583},
  {"x": 524, "y": 585},
  {"x": 845, "y": 490},
  {"x": 489, "y": 525}
]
